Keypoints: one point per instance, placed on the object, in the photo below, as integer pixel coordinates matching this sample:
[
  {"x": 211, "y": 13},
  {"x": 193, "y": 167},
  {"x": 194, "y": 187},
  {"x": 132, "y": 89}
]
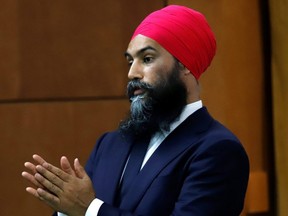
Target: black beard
[{"x": 157, "y": 107}]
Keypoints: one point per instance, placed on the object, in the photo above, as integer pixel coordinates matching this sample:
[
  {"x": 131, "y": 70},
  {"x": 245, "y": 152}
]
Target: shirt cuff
[
  {"x": 94, "y": 207},
  {"x": 92, "y": 210}
]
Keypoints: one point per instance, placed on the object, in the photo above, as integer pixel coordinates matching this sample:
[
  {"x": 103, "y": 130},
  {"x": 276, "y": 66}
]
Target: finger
[
  {"x": 31, "y": 179},
  {"x": 54, "y": 170},
  {"x": 30, "y": 166},
  {"x": 48, "y": 198},
  {"x": 33, "y": 192},
  {"x": 50, "y": 186},
  {"x": 38, "y": 159},
  {"x": 79, "y": 169},
  {"x": 66, "y": 166},
  {"x": 50, "y": 176}
]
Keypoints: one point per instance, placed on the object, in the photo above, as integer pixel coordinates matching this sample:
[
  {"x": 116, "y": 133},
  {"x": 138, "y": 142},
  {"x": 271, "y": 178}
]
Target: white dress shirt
[{"x": 155, "y": 142}]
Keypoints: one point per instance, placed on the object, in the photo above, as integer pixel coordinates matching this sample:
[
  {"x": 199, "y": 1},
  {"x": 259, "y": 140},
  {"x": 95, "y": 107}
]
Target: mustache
[{"x": 137, "y": 84}]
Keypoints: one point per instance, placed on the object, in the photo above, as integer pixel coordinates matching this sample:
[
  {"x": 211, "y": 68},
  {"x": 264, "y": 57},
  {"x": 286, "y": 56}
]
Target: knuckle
[
  {"x": 58, "y": 172},
  {"x": 48, "y": 166},
  {"x": 54, "y": 189},
  {"x": 54, "y": 179}
]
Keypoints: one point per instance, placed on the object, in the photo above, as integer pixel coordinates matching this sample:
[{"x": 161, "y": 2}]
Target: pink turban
[{"x": 184, "y": 33}]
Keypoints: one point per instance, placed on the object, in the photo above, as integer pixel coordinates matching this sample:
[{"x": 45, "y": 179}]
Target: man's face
[
  {"x": 148, "y": 61},
  {"x": 156, "y": 92}
]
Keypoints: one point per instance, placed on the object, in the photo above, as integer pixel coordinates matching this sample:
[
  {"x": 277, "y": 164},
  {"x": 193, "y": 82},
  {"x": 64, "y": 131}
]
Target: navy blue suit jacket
[{"x": 200, "y": 169}]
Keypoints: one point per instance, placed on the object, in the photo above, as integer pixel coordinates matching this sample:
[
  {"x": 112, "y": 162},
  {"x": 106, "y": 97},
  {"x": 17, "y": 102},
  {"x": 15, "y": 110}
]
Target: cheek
[
  {"x": 155, "y": 74},
  {"x": 150, "y": 77}
]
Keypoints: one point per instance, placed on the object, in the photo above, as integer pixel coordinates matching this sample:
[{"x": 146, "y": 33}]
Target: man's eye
[
  {"x": 130, "y": 63},
  {"x": 147, "y": 59}
]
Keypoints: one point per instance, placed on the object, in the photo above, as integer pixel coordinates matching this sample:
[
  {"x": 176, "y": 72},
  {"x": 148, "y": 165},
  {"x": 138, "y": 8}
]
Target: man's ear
[{"x": 184, "y": 69}]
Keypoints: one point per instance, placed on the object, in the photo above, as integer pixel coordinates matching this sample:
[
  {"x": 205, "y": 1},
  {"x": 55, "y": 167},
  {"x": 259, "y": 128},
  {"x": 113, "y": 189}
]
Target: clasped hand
[{"x": 66, "y": 189}]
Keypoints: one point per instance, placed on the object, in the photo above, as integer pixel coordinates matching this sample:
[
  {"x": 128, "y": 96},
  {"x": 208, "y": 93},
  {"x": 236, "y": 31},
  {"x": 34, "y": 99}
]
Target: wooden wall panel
[
  {"x": 51, "y": 130},
  {"x": 68, "y": 48},
  {"x": 9, "y": 55},
  {"x": 233, "y": 87}
]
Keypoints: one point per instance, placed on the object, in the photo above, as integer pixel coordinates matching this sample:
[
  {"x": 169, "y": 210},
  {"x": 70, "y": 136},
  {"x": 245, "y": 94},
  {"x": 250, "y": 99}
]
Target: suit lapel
[
  {"x": 175, "y": 143},
  {"x": 108, "y": 177}
]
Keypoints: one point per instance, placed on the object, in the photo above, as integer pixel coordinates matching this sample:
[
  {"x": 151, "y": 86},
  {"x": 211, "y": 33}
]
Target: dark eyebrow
[{"x": 139, "y": 52}]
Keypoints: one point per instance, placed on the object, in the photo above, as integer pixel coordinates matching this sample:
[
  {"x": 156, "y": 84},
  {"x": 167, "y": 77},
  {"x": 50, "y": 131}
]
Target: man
[{"x": 169, "y": 157}]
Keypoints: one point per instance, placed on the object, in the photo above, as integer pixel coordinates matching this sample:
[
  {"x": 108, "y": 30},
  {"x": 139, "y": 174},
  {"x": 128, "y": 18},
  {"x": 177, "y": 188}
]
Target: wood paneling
[
  {"x": 66, "y": 48},
  {"x": 51, "y": 130},
  {"x": 9, "y": 55},
  {"x": 257, "y": 193},
  {"x": 279, "y": 81}
]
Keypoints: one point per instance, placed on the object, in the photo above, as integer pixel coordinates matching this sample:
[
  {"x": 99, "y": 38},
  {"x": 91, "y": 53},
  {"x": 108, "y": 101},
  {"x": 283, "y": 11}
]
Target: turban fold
[{"x": 184, "y": 33}]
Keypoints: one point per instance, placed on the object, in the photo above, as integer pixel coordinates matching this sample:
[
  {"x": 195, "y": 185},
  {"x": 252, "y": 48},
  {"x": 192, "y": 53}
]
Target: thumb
[
  {"x": 66, "y": 166},
  {"x": 79, "y": 169}
]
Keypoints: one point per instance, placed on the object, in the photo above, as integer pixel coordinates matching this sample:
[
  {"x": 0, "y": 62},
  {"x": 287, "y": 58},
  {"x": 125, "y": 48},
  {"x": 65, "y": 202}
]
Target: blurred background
[{"x": 63, "y": 78}]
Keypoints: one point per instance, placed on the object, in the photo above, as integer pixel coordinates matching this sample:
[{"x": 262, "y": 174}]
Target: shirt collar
[{"x": 187, "y": 111}]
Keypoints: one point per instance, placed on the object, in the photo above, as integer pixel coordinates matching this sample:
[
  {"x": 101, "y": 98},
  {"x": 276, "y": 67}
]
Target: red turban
[{"x": 184, "y": 33}]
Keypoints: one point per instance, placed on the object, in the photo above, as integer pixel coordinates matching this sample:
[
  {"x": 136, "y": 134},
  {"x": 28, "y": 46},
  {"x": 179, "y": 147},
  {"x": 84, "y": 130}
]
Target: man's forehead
[{"x": 142, "y": 43}]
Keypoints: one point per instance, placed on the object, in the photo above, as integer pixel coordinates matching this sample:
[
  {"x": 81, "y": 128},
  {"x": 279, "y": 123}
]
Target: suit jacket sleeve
[{"x": 216, "y": 182}]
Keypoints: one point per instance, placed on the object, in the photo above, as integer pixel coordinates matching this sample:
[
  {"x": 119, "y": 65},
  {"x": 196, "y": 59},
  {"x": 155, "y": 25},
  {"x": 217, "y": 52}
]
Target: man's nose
[{"x": 135, "y": 71}]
